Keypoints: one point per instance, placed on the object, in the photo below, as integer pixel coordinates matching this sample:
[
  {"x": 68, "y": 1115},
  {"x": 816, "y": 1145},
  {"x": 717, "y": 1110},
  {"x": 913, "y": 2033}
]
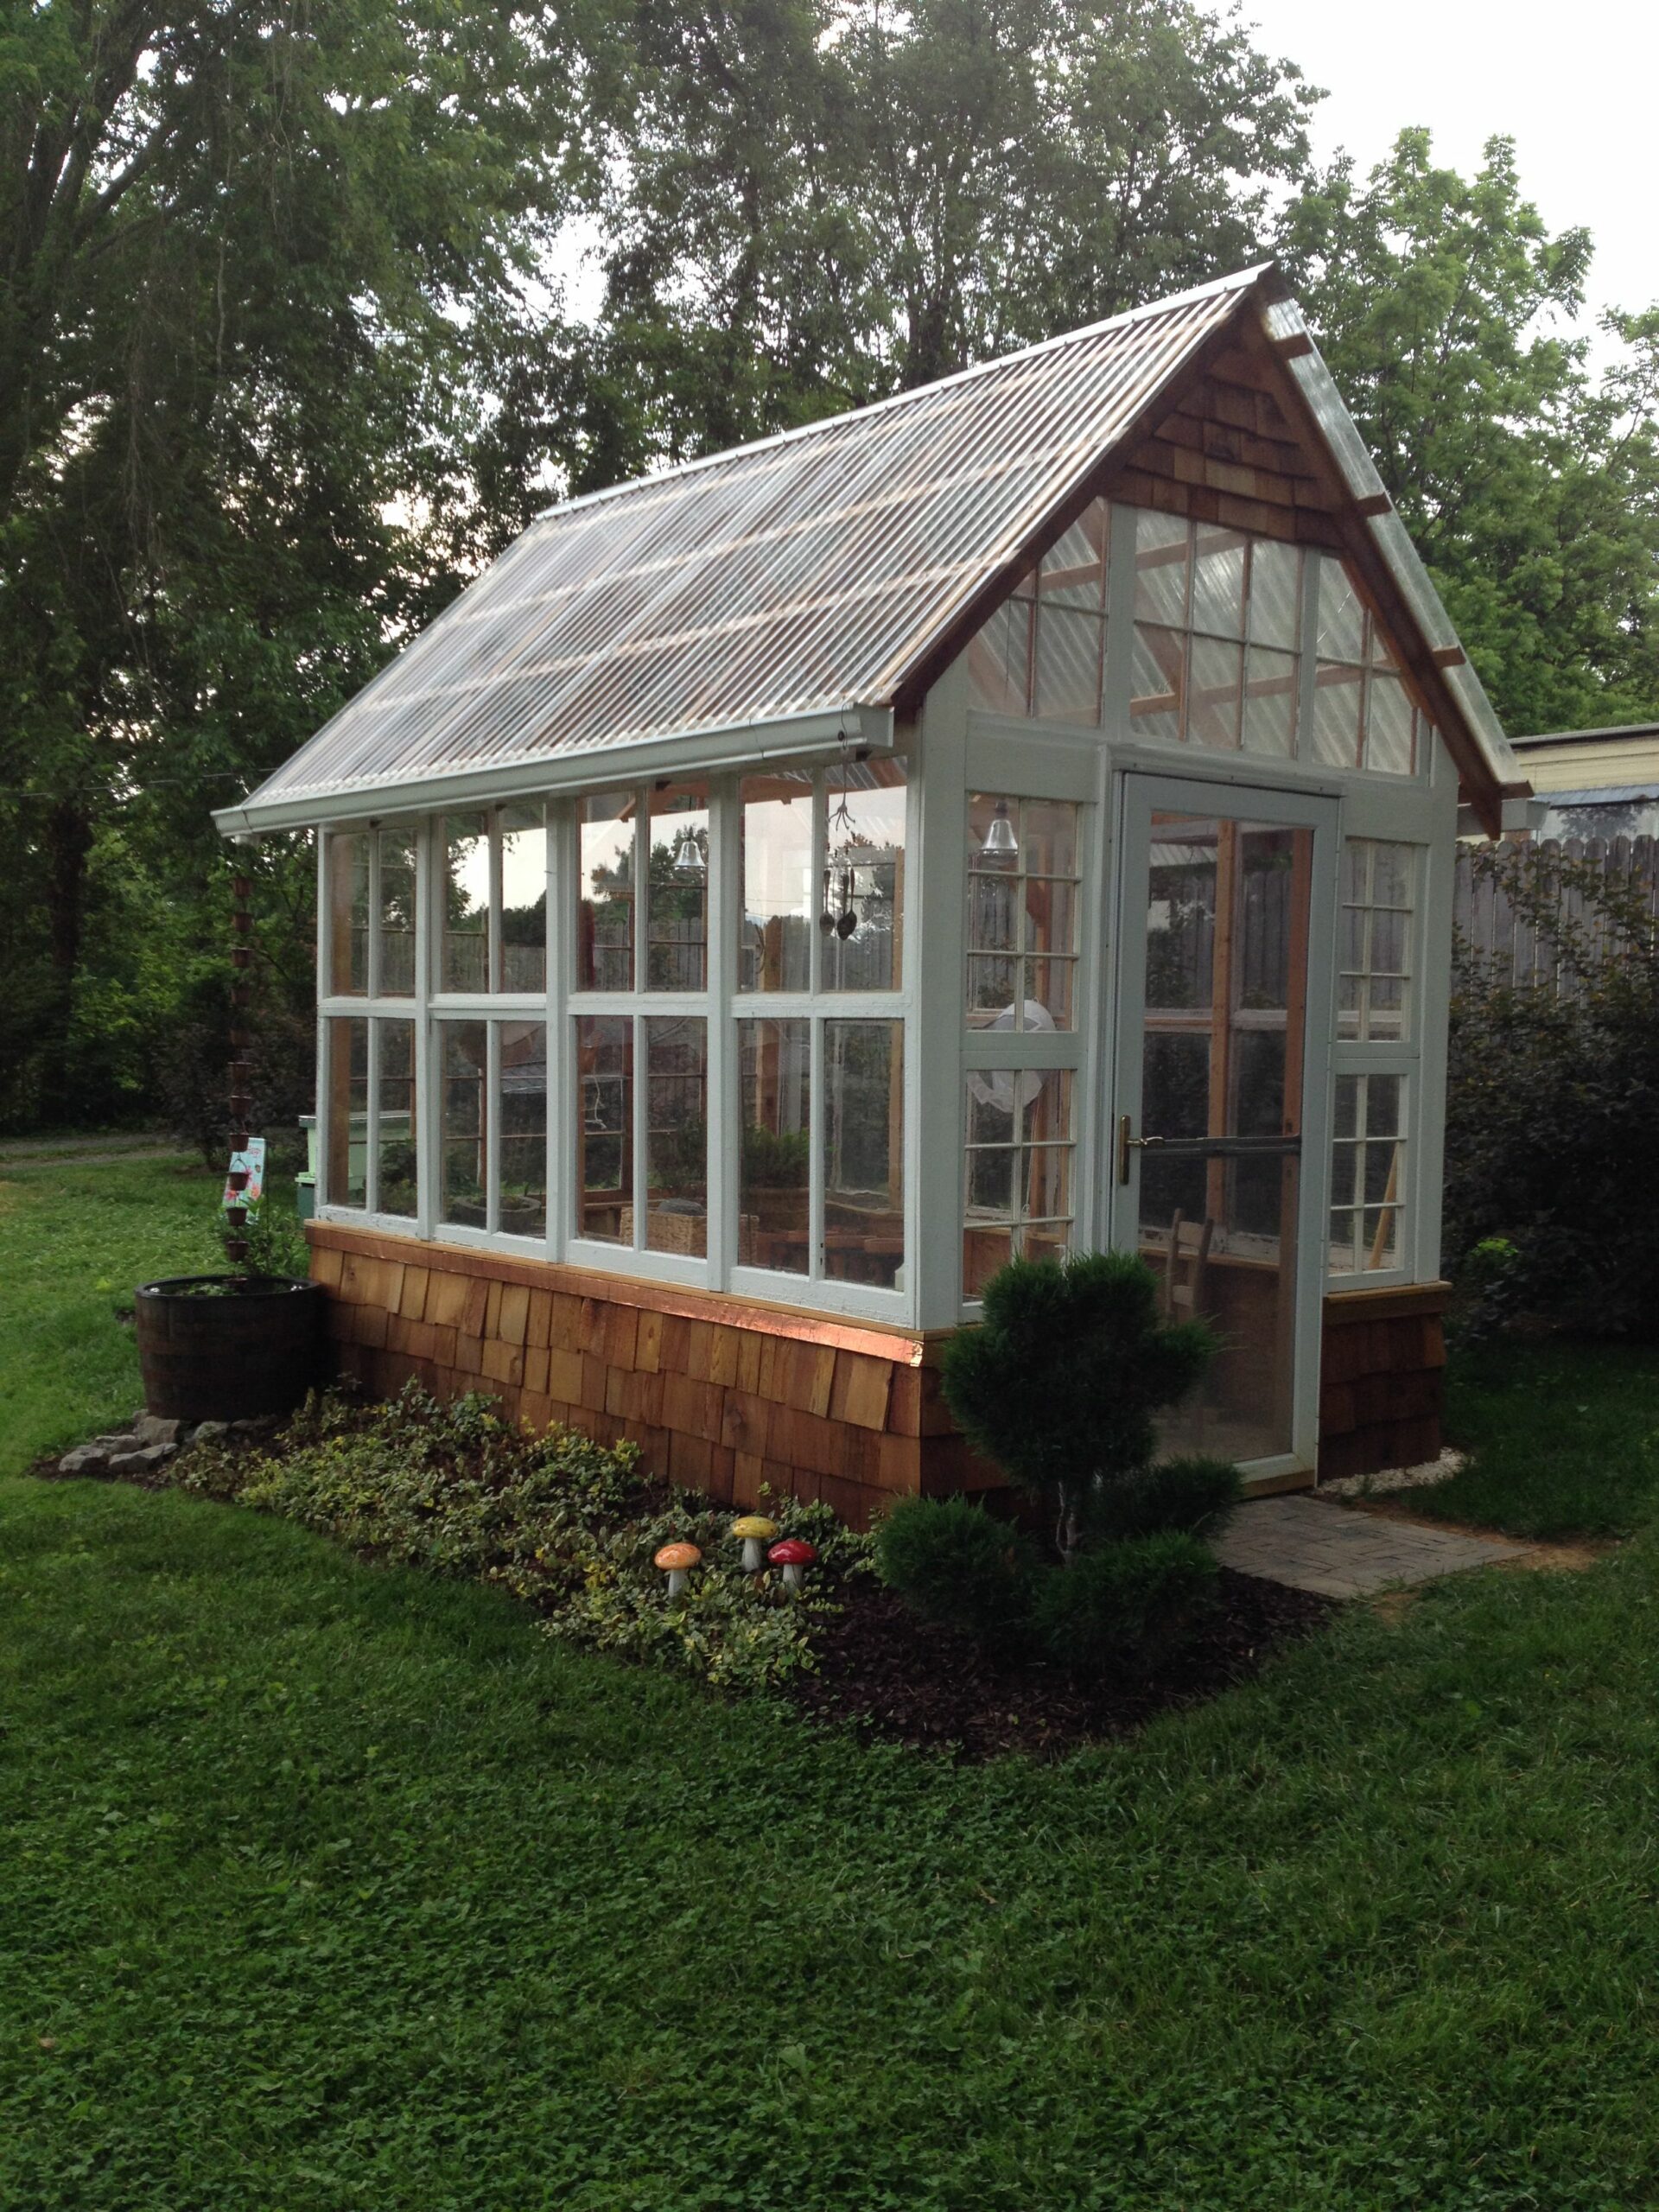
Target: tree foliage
[
  {"x": 1552, "y": 1205},
  {"x": 1449, "y": 316}
]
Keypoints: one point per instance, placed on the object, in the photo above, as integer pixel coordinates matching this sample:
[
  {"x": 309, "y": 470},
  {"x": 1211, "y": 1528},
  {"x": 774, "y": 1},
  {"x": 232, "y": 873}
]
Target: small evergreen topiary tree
[{"x": 1060, "y": 1382}]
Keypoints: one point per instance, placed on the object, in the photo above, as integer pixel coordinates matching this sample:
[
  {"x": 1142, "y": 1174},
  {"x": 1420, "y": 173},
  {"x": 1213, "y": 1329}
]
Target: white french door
[{"x": 1217, "y": 1144}]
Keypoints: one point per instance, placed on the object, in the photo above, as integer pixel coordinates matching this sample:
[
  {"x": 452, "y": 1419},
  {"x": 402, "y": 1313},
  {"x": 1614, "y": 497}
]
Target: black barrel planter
[{"x": 254, "y": 1349}]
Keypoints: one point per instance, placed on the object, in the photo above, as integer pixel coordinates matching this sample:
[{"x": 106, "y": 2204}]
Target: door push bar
[{"x": 1286, "y": 1147}]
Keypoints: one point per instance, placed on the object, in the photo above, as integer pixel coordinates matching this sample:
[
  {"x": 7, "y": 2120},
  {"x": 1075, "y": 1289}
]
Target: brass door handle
[{"x": 1127, "y": 1143}]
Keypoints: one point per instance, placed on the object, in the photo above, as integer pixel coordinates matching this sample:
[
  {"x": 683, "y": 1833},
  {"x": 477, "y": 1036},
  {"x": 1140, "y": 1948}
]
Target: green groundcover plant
[{"x": 566, "y": 1523}]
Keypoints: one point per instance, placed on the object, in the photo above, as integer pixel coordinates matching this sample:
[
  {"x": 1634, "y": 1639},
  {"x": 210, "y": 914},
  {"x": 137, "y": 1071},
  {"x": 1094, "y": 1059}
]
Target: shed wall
[{"x": 725, "y": 1397}]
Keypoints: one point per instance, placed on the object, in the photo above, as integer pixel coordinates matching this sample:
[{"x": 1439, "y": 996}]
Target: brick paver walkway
[{"x": 1312, "y": 1544}]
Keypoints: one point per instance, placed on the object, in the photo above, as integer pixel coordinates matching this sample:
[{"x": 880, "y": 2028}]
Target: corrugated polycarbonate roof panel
[{"x": 806, "y": 574}]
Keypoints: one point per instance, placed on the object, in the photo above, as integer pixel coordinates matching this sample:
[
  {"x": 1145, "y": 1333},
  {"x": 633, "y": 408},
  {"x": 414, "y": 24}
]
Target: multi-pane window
[
  {"x": 1375, "y": 943},
  {"x": 1018, "y": 1180},
  {"x": 1023, "y": 893},
  {"x": 1216, "y": 634},
  {"x": 371, "y": 891},
  {"x": 640, "y": 1074},
  {"x": 820, "y": 1061},
  {"x": 1022, "y": 968},
  {"x": 371, "y": 1161},
  {"x": 493, "y": 935},
  {"x": 1376, "y": 1055},
  {"x": 1217, "y": 643},
  {"x": 1367, "y": 1172},
  {"x": 1363, "y": 716},
  {"x": 492, "y": 1126},
  {"x": 1040, "y": 654}
]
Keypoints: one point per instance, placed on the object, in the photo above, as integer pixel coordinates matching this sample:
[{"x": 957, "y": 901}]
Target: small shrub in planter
[{"x": 953, "y": 1563}]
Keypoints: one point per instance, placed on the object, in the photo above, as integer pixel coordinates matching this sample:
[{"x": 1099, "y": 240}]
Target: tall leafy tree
[
  {"x": 814, "y": 202},
  {"x": 251, "y": 254},
  {"x": 1451, "y": 320}
]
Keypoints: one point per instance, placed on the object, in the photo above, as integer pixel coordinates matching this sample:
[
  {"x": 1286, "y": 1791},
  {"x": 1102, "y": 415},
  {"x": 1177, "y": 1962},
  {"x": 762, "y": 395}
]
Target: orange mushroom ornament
[{"x": 677, "y": 1561}]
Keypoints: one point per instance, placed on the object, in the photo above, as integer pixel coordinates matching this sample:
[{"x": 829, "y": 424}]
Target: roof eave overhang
[{"x": 858, "y": 726}]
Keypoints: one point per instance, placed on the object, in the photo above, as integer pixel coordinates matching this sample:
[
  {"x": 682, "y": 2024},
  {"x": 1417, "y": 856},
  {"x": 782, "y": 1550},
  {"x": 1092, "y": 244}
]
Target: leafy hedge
[
  {"x": 566, "y": 1523},
  {"x": 1552, "y": 1194}
]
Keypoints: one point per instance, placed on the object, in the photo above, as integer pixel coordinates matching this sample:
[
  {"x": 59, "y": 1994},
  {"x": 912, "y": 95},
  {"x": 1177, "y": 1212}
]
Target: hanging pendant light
[
  {"x": 1000, "y": 844},
  {"x": 689, "y": 859}
]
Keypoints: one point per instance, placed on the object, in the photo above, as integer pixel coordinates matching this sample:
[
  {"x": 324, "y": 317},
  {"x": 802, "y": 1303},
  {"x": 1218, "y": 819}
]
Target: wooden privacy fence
[{"x": 1494, "y": 929}]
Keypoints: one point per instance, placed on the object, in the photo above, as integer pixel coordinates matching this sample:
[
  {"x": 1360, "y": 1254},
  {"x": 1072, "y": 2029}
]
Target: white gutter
[{"x": 819, "y": 734}]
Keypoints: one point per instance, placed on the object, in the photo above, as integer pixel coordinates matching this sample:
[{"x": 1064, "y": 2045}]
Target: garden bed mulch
[{"x": 902, "y": 1679}]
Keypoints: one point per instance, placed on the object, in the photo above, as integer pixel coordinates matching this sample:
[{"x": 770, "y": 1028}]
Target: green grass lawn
[
  {"x": 73, "y": 1242},
  {"x": 328, "y": 1887},
  {"x": 1563, "y": 1439}
]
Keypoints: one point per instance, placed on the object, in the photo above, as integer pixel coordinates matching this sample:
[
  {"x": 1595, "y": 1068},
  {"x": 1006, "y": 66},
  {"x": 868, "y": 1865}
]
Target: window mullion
[{"x": 426, "y": 1083}]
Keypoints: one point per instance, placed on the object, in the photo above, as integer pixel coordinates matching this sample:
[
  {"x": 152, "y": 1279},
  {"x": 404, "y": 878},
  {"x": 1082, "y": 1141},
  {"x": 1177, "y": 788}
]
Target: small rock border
[
  {"x": 149, "y": 1442},
  {"x": 1392, "y": 1478}
]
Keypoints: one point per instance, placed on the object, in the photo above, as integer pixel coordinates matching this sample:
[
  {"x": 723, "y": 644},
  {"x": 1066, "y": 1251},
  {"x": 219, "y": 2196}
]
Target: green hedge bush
[{"x": 951, "y": 1563}]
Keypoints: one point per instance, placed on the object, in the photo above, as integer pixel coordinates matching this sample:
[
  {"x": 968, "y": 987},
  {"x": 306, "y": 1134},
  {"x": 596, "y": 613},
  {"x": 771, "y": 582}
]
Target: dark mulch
[{"x": 901, "y": 1678}]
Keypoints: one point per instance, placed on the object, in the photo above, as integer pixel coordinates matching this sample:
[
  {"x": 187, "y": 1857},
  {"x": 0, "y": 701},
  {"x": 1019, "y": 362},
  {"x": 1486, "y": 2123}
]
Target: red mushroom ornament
[{"x": 794, "y": 1555}]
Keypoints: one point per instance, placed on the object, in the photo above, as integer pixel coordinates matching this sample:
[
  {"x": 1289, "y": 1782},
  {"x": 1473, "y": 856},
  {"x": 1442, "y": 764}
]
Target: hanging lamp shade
[{"x": 1001, "y": 843}]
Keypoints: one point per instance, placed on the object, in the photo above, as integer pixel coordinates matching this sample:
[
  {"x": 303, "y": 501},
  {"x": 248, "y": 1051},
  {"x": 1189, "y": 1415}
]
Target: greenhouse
[{"x": 1015, "y": 817}]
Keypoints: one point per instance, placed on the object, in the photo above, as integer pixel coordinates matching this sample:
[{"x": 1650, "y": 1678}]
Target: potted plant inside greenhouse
[{"x": 243, "y": 1344}]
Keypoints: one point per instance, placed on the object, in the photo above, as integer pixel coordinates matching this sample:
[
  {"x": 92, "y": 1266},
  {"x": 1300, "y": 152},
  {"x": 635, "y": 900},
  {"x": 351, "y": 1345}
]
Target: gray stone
[
  {"x": 85, "y": 1460},
  {"x": 210, "y": 1431},
  {"x": 143, "y": 1461},
  {"x": 149, "y": 1428}
]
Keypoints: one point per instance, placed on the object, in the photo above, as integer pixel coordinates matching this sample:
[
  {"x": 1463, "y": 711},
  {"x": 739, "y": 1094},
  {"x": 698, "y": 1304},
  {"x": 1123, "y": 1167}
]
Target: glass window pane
[
  {"x": 1068, "y": 663},
  {"x": 1051, "y": 915},
  {"x": 394, "y": 1191},
  {"x": 522, "y": 1197},
  {"x": 1346, "y": 1123},
  {"x": 1050, "y": 986},
  {"x": 991, "y": 985},
  {"x": 677, "y": 920},
  {"x": 1160, "y": 564},
  {"x": 1388, "y": 726},
  {"x": 1380, "y": 1237},
  {"x": 774, "y": 1074},
  {"x": 463, "y": 1130},
  {"x": 605, "y": 1128},
  {"x": 348, "y": 916},
  {"x": 396, "y": 913},
  {"x": 605, "y": 908},
  {"x": 776, "y": 923},
  {"x": 1048, "y": 837},
  {"x": 1270, "y": 704},
  {"x": 999, "y": 660},
  {"x": 1342, "y": 619},
  {"x": 864, "y": 878},
  {"x": 1374, "y": 939},
  {"x": 523, "y": 900},
  {"x": 676, "y": 1135},
  {"x": 1337, "y": 693},
  {"x": 1343, "y": 1174},
  {"x": 863, "y": 1152},
  {"x": 1073, "y": 573},
  {"x": 1158, "y": 681},
  {"x": 348, "y": 1111},
  {"x": 1218, "y": 582},
  {"x": 1275, "y": 594},
  {"x": 1212, "y": 703},
  {"x": 465, "y": 964},
  {"x": 1018, "y": 1169}
]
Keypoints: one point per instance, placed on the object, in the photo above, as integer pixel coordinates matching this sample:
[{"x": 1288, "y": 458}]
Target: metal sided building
[{"x": 1016, "y": 816}]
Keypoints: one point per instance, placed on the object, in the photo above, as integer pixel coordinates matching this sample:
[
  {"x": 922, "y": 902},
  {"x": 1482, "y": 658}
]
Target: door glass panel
[{"x": 1225, "y": 992}]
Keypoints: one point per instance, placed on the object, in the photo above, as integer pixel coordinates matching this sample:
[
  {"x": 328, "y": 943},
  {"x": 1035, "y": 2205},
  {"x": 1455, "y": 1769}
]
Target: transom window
[{"x": 1237, "y": 642}]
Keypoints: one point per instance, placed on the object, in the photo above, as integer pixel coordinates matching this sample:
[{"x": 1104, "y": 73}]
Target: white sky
[{"x": 1573, "y": 87}]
